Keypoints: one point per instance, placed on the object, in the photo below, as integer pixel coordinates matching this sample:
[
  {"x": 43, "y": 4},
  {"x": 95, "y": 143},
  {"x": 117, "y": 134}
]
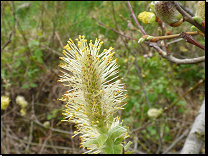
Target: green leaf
[
  {"x": 160, "y": 88},
  {"x": 90, "y": 142},
  {"x": 38, "y": 53},
  {"x": 102, "y": 130},
  {"x": 167, "y": 129},
  {"x": 127, "y": 145},
  {"x": 180, "y": 110},
  {"x": 117, "y": 149},
  {"x": 151, "y": 130},
  {"x": 181, "y": 103},
  {"x": 118, "y": 140},
  {"x": 116, "y": 132},
  {"x": 33, "y": 85},
  {"x": 25, "y": 86},
  {"x": 198, "y": 20},
  {"x": 40, "y": 60},
  {"x": 129, "y": 152},
  {"x": 49, "y": 117},
  {"x": 33, "y": 43},
  {"x": 102, "y": 139}
]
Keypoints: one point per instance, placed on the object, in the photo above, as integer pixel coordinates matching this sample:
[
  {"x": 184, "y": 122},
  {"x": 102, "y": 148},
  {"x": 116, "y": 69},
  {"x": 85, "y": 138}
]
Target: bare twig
[
  {"x": 8, "y": 41},
  {"x": 163, "y": 33},
  {"x": 175, "y": 35},
  {"x": 176, "y": 141},
  {"x": 135, "y": 20},
  {"x": 37, "y": 144},
  {"x": 39, "y": 123},
  {"x": 187, "y": 17},
  {"x": 186, "y": 9},
  {"x": 160, "y": 138},
  {"x": 190, "y": 89},
  {"x": 30, "y": 138},
  {"x": 174, "y": 41},
  {"x": 54, "y": 21},
  {"x": 176, "y": 60},
  {"x": 189, "y": 39},
  {"x": 51, "y": 50},
  {"x": 45, "y": 141},
  {"x": 112, "y": 28},
  {"x": 141, "y": 81},
  {"x": 58, "y": 37}
]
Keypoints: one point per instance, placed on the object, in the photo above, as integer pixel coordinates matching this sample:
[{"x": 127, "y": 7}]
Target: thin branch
[
  {"x": 174, "y": 41},
  {"x": 176, "y": 141},
  {"x": 190, "y": 39},
  {"x": 160, "y": 138},
  {"x": 187, "y": 17},
  {"x": 141, "y": 82},
  {"x": 37, "y": 144},
  {"x": 45, "y": 141},
  {"x": 190, "y": 89},
  {"x": 30, "y": 138},
  {"x": 8, "y": 41},
  {"x": 175, "y": 35},
  {"x": 176, "y": 60},
  {"x": 186, "y": 9},
  {"x": 35, "y": 119},
  {"x": 135, "y": 19},
  {"x": 112, "y": 28},
  {"x": 165, "y": 41},
  {"x": 59, "y": 39}
]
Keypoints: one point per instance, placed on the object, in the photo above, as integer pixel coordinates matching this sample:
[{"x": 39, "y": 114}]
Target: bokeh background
[{"x": 29, "y": 68}]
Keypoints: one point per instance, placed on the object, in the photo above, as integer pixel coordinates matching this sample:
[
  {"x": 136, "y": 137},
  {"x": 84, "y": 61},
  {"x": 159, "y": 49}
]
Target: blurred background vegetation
[{"x": 29, "y": 67}]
